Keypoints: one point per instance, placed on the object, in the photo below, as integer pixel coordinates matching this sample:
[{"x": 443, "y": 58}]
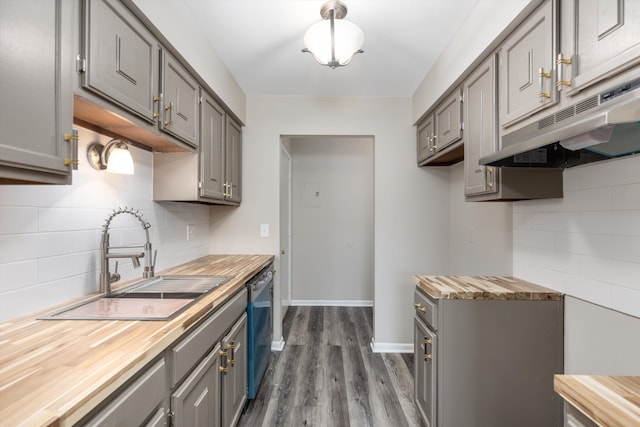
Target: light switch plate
[{"x": 264, "y": 230}]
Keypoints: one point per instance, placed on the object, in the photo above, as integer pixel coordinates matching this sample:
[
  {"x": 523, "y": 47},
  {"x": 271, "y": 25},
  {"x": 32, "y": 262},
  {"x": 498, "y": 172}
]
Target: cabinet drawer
[
  {"x": 137, "y": 402},
  {"x": 186, "y": 354},
  {"x": 426, "y": 309}
]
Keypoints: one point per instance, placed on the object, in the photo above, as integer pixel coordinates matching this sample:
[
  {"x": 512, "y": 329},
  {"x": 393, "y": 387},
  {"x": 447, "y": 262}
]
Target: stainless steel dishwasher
[{"x": 259, "y": 314}]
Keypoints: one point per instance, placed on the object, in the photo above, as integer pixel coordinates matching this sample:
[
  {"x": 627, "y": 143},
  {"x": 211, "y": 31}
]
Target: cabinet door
[
  {"x": 233, "y": 161},
  {"x": 425, "y": 372},
  {"x": 139, "y": 404},
  {"x": 603, "y": 39},
  {"x": 212, "y": 138},
  {"x": 122, "y": 57},
  {"x": 448, "y": 122},
  {"x": 36, "y": 51},
  {"x": 426, "y": 133},
  {"x": 196, "y": 403},
  {"x": 181, "y": 95},
  {"x": 480, "y": 103},
  {"x": 527, "y": 83},
  {"x": 234, "y": 380}
]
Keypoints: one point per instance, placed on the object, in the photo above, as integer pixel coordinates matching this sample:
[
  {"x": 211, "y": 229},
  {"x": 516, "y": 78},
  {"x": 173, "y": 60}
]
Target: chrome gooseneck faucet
[{"x": 106, "y": 278}]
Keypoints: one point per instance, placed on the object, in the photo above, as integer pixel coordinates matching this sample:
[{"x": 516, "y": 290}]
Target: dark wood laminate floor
[{"x": 327, "y": 375}]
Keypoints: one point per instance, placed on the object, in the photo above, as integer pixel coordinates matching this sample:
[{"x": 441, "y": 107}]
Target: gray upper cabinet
[
  {"x": 426, "y": 131},
  {"x": 212, "y": 174},
  {"x": 212, "y": 149},
  {"x": 485, "y": 183},
  {"x": 481, "y": 138},
  {"x": 527, "y": 57},
  {"x": 233, "y": 161},
  {"x": 36, "y": 69},
  {"x": 448, "y": 118},
  {"x": 439, "y": 138},
  {"x": 180, "y": 93},
  {"x": 121, "y": 58},
  {"x": 599, "y": 39}
]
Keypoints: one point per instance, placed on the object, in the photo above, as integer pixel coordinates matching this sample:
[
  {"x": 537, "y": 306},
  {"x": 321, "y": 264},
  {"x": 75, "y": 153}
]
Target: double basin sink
[{"x": 156, "y": 298}]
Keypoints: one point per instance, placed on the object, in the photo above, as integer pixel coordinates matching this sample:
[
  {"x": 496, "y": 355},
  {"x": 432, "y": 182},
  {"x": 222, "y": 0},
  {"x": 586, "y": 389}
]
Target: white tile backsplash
[
  {"x": 50, "y": 235},
  {"x": 595, "y": 230}
]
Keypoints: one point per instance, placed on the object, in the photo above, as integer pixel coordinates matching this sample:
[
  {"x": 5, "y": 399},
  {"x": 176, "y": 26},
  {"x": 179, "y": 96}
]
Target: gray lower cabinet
[
  {"x": 201, "y": 380},
  {"x": 197, "y": 401},
  {"x": 487, "y": 363},
  {"x": 527, "y": 61},
  {"x": 484, "y": 183},
  {"x": 599, "y": 39},
  {"x": 211, "y": 391},
  {"x": 234, "y": 372},
  {"x": 142, "y": 403},
  {"x": 425, "y": 345},
  {"x": 36, "y": 69},
  {"x": 215, "y": 392}
]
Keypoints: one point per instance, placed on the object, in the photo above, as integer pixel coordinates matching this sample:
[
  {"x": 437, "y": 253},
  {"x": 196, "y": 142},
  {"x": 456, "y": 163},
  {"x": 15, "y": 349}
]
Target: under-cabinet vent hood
[{"x": 601, "y": 127}]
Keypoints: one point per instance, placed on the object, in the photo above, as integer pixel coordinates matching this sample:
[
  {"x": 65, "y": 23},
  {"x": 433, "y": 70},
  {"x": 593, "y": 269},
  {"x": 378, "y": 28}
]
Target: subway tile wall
[
  {"x": 586, "y": 244},
  {"x": 50, "y": 235}
]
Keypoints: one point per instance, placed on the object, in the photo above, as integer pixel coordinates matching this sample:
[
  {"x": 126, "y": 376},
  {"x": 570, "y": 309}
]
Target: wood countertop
[
  {"x": 53, "y": 372},
  {"x": 483, "y": 287},
  {"x": 607, "y": 401}
]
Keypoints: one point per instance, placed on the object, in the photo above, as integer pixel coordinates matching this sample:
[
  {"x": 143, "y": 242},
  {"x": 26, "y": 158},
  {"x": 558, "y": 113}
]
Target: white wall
[
  {"x": 332, "y": 250},
  {"x": 410, "y": 208},
  {"x": 487, "y": 20},
  {"x": 175, "y": 21},
  {"x": 599, "y": 341},
  {"x": 586, "y": 244},
  {"x": 479, "y": 233},
  {"x": 50, "y": 235}
]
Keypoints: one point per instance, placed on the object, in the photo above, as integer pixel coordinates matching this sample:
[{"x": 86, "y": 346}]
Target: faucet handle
[{"x": 115, "y": 276}]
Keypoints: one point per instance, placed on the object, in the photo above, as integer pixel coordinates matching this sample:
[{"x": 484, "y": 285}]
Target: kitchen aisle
[{"x": 327, "y": 375}]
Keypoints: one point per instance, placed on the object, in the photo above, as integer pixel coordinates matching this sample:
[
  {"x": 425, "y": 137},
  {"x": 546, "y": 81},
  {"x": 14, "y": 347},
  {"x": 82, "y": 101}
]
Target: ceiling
[{"x": 260, "y": 42}]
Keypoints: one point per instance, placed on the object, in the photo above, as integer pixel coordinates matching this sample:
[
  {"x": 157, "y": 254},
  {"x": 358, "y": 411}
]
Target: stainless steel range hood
[{"x": 601, "y": 127}]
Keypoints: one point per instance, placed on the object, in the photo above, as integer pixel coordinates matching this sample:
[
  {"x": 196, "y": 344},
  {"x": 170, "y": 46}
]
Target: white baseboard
[
  {"x": 332, "y": 303},
  {"x": 277, "y": 345},
  {"x": 390, "y": 347}
]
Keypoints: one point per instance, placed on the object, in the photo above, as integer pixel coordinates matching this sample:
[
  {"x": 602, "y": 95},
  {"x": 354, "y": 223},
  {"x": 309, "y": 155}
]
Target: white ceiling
[{"x": 260, "y": 42}]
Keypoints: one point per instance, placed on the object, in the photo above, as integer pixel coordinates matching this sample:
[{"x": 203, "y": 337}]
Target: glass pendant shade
[
  {"x": 348, "y": 40},
  {"x": 120, "y": 160}
]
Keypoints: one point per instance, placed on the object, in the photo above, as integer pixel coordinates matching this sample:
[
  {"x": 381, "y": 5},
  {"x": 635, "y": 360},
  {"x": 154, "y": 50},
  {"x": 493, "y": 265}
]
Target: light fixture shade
[
  {"x": 120, "y": 160},
  {"x": 348, "y": 41}
]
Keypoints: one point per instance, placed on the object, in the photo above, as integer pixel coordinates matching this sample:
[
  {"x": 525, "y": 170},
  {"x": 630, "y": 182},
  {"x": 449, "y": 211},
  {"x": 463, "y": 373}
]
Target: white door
[{"x": 285, "y": 230}]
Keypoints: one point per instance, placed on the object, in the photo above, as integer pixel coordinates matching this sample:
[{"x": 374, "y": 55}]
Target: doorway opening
[{"x": 327, "y": 221}]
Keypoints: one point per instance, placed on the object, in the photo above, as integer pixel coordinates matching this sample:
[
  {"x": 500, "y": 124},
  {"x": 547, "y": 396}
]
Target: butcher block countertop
[
  {"x": 53, "y": 372},
  {"x": 483, "y": 287},
  {"x": 607, "y": 401}
]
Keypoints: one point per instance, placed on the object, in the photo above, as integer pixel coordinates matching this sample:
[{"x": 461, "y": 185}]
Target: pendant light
[{"x": 333, "y": 42}]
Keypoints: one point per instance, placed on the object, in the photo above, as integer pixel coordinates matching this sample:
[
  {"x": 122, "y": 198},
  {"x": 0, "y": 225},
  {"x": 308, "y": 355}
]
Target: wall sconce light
[
  {"x": 115, "y": 157},
  {"x": 333, "y": 42}
]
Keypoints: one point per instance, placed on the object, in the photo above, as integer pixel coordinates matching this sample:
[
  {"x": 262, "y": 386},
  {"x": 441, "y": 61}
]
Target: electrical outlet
[
  {"x": 190, "y": 231},
  {"x": 264, "y": 230}
]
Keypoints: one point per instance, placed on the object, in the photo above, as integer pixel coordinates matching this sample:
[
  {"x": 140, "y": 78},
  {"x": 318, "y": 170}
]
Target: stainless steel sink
[{"x": 156, "y": 298}]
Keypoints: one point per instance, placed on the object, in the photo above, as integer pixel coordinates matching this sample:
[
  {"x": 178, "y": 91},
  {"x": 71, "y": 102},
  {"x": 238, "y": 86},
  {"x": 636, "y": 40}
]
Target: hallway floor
[{"x": 327, "y": 375}]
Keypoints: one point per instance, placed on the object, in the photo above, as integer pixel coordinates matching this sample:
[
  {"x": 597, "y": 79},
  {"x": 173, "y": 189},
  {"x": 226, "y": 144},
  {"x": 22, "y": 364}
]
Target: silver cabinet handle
[
  {"x": 169, "y": 108},
  {"x": 561, "y": 62},
  {"x": 542, "y": 95}
]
